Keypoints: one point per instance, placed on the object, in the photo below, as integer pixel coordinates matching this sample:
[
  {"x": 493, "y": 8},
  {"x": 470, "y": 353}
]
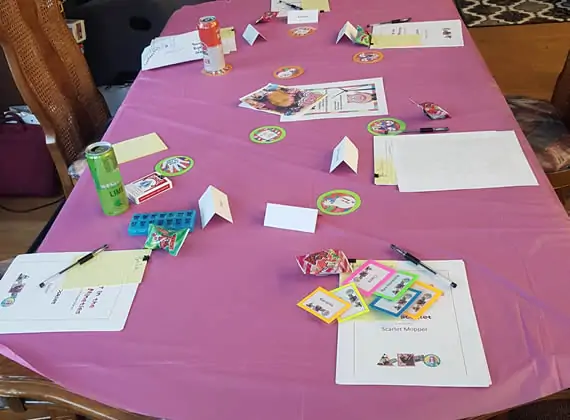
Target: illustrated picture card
[
  {"x": 324, "y": 305},
  {"x": 214, "y": 202},
  {"x": 396, "y": 285},
  {"x": 395, "y": 307},
  {"x": 370, "y": 276},
  {"x": 428, "y": 296},
  {"x": 349, "y": 292}
]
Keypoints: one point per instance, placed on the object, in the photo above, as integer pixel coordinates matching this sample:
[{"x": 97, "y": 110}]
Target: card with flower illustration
[
  {"x": 324, "y": 305},
  {"x": 349, "y": 293}
]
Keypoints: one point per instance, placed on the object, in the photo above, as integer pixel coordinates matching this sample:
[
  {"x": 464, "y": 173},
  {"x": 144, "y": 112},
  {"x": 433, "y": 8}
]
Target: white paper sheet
[
  {"x": 347, "y": 152},
  {"x": 175, "y": 49},
  {"x": 214, "y": 202},
  {"x": 447, "y": 336},
  {"x": 461, "y": 161},
  {"x": 300, "y": 219},
  {"x": 351, "y": 98},
  {"x": 347, "y": 30},
  {"x": 250, "y": 34},
  {"x": 296, "y": 17},
  {"x": 384, "y": 169},
  {"x": 444, "y": 33},
  {"x": 283, "y": 7},
  {"x": 27, "y": 308}
]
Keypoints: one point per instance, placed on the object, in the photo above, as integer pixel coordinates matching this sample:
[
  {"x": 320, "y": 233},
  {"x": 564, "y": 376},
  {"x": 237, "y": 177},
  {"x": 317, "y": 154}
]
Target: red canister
[{"x": 209, "y": 31}]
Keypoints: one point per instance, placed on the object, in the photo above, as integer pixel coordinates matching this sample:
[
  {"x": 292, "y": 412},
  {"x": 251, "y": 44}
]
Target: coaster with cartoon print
[
  {"x": 338, "y": 202},
  {"x": 301, "y": 31},
  {"x": 267, "y": 134},
  {"x": 288, "y": 72},
  {"x": 174, "y": 165},
  {"x": 386, "y": 127},
  {"x": 368, "y": 57}
]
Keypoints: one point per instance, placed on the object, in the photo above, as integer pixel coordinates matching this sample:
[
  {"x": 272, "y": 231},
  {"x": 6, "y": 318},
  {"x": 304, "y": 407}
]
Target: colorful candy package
[
  {"x": 363, "y": 37},
  {"x": 266, "y": 17},
  {"x": 432, "y": 111},
  {"x": 169, "y": 240},
  {"x": 324, "y": 263}
]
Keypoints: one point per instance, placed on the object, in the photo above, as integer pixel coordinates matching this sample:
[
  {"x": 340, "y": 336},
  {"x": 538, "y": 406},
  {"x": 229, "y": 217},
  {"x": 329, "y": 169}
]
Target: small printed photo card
[
  {"x": 349, "y": 31},
  {"x": 214, "y": 202},
  {"x": 396, "y": 285},
  {"x": 428, "y": 296},
  {"x": 395, "y": 307},
  {"x": 299, "y": 17},
  {"x": 347, "y": 152},
  {"x": 370, "y": 276},
  {"x": 349, "y": 293},
  {"x": 324, "y": 305},
  {"x": 251, "y": 34}
]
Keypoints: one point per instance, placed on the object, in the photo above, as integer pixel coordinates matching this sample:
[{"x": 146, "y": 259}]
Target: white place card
[
  {"x": 301, "y": 219},
  {"x": 347, "y": 152},
  {"x": 295, "y": 17},
  {"x": 251, "y": 34},
  {"x": 214, "y": 202},
  {"x": 349, "y": 31}
]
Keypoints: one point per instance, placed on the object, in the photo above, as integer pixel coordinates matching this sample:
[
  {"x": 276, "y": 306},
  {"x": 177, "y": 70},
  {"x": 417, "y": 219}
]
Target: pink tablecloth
[{"x": 214, "y": 333}]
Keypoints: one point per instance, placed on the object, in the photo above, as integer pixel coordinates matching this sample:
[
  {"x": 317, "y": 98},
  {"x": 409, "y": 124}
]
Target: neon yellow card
[
  {"x": 349, "y": 293},
  {"x": 427, "y": 297},
  {"x": 391, "y": 41},
  {"x": 324, "y": 305}
]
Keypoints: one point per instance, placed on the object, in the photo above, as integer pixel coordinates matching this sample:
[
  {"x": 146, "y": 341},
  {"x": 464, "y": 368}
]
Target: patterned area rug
[{"x": 513, "y": 12}]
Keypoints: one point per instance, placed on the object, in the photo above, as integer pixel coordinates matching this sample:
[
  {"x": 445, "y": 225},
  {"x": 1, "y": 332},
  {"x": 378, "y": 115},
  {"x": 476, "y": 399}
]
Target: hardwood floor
[
  {"x": 18, "y": 230},
  {"x": 524, "y": 59}
]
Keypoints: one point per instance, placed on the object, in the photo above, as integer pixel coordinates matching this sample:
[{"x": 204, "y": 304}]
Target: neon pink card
[{"x": 370, "y": 276}]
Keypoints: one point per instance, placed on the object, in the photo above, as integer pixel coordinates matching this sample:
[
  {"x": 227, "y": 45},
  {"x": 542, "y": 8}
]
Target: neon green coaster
[
  {"x": 174, "y": 165},
  {"x": 338, "y": 202},
  {"x": 386, "y": 127},
  {"x": 267, "y": 134}
]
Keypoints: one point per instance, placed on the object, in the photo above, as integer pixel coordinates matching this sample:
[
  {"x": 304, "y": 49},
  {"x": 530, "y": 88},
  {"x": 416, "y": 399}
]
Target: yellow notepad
[
  {"x": 316, "y": 5},
  {"x": 109, "y": 268},
  {"x": 138, "y": 147},
  {"x": 390, "y": 41}
]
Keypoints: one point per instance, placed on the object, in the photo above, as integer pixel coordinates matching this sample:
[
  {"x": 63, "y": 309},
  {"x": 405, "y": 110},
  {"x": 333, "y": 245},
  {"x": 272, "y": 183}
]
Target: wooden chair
[
  {"x": 53, "y": 79},
  {"x": 548, "y": 131}
]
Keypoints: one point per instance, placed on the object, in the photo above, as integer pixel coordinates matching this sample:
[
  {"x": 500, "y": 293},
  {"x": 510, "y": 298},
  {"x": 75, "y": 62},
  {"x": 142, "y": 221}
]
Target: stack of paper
[
  {"x": 95, "y": 296},
  {"x": 175, "y": 49},
  {"x": 460, "y": 161},
  {"x": 281, "y": 100},
  {"x": 451, "y": 161},
  {"x": 396, "y": 344},
  {"x": 283, "y": 7},
  {"x": 444, "y": 33}
]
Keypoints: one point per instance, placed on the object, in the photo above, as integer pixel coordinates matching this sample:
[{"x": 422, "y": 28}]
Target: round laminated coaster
[
  {"x": 386, "y": 126},
  {"x": 431, "y": 360},
  {"x": 174, "y": 165},
  {"x": 267, "y": 134},
  {"x": 302, "y": 31},
  {"x": 338, "y": 202},
  {"x": 221, "y": 72},
  {"x": 367, "y": 57},
  {"x": 288, "y": 72}
]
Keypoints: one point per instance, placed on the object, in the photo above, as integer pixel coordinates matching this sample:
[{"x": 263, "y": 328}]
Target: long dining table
[{"x": 215, "y": 333}]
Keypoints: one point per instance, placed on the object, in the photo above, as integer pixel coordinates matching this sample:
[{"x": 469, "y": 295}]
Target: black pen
[
  {"x": 403, "y": 20},
  {"x": 292, "y": 6},
  {"x": 80, "y": 261},
  {"x": 415, "y": 260},
  {"x": 428, "y": 130}
]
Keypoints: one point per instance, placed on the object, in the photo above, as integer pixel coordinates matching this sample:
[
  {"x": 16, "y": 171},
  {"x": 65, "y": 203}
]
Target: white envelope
[
  {"x": 295, "y": 17},
  {"x": 347, "y": 30},
  {"x": 251, "y": 34},
  {"x": 301, "y": 219},
  {"x": 347, "y": 152},
  {"x": 214, "y": 202}
]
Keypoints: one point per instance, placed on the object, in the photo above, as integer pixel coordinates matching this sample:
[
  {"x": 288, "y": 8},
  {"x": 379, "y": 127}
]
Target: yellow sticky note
[
  {"x": 138, "y": 147},
  {"x": 227, "y": 32},
  {"x": 316, "y": 5},
  {"x": 391, "y": 41},
  {"x": 109, "y": 268}
]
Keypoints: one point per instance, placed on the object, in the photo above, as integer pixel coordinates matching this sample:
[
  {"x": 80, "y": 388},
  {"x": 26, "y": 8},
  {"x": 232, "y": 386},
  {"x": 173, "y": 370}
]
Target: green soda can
[{"x": 108, "y": 182}]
